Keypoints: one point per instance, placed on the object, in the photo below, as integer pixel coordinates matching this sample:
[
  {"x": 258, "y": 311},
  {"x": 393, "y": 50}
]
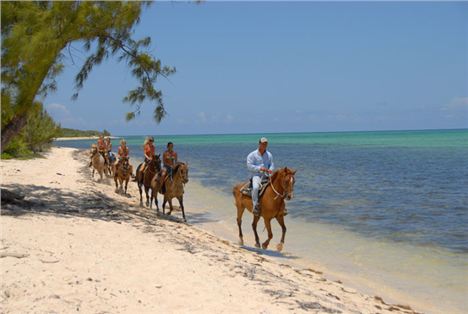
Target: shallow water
[{"x": 387, "y": 211}]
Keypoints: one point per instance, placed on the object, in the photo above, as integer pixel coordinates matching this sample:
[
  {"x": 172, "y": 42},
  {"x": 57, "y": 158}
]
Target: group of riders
[
  {"x": 104, "y": 147},
  {"x": 259, "y": 162}
]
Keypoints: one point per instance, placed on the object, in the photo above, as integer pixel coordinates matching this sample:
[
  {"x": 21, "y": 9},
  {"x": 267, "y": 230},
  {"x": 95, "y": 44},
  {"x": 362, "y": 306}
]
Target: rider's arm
[
  {"x": 272, "y": 165},
  {"x": 250, "y": 163}
]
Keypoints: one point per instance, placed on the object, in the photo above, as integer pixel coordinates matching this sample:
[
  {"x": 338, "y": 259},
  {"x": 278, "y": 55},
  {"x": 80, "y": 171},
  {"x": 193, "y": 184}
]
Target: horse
[
  {"x": 122, "y": 172},
  {"x": 272, "y": 205},
  {"x": 144, "y": 179},
  {"x": 97, "y": 161},
  {"x": 175, "y": 188}
]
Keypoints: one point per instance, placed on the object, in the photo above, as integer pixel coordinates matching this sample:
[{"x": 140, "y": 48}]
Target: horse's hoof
[
  {"x": 241, "y": 242},
  {"x": 279, "y": 247},
  {"x": 117, "y": 191},
  {"x": 264, "y": 246},
  {"x": 257, "y": 245}
]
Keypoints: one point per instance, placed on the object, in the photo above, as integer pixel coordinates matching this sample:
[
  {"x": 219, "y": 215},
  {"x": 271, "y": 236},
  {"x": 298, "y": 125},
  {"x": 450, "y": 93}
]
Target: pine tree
[{"x": 36, "y": 36}]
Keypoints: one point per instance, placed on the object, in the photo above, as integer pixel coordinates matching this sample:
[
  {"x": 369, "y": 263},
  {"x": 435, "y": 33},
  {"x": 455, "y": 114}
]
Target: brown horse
[
  {"x": 272, "y": 205},
  {"x": 122, "y": 172},
  {"x": 144, "y": 179},
  {"x": 175, "y": 188},
  {"x": 97, "y": 161}
]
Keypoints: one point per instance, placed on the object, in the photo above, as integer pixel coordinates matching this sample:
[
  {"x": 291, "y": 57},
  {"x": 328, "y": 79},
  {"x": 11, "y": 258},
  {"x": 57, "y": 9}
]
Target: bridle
[{"x": 286, "y": 194}]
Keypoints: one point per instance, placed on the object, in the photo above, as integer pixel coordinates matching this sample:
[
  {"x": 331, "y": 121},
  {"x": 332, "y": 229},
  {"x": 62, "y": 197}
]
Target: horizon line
[{"x": 297, "y": 132}]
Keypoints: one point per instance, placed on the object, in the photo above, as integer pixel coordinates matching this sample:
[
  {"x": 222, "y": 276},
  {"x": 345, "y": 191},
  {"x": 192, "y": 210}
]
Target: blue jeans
[
  {"x": 256, "y": 184},
  {"x": 169, "y": 170}
]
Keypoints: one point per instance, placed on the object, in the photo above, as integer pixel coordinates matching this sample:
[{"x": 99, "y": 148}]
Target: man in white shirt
[{"x": 260, "y": 162}]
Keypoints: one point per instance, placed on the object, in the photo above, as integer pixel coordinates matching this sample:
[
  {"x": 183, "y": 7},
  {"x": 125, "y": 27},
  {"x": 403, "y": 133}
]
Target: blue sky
[{"x": 248, "y": 67}]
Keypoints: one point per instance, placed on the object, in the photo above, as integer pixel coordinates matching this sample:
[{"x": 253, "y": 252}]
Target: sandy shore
[{"x": 74, "y": 245}]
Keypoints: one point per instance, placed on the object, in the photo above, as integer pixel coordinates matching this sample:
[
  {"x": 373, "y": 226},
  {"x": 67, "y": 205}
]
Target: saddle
[{"x": 247, "y": 187}]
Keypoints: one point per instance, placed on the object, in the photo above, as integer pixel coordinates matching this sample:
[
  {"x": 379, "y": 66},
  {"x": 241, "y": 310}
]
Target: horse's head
[
  {"x": 125, "y": 162},
  {"x": 182, "y": 169},
  {"x": 93, "y": 149},
  {"x": 287, "y": 182},
  {"x": 155, "y": 163}
]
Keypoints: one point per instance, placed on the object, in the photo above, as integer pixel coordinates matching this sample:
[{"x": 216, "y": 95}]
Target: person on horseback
[
  {"x": 110, "y": 155},
  {"x": 123, "y": 149},
  {"x": 169, "y": 161},
  {"x": 102, "y": 148},
  {"x": 260, "y": 162},
  {"x": 149, "y": 151}
]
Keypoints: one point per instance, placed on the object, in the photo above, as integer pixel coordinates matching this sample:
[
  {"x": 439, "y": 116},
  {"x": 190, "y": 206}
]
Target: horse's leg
[
  {"x": 116, "y": 185},
  {"x": 93, "y": 173},
  {"x": 147, "y": 196},
  {"x": 270, "y": 234},
  {"x": 164, "y": 205},
  {"x": 254, "y": 227},
  {"x": 126, "y": 184},
  {"x": 154, "y": 195},
  {"x": 181, "y": 203},
  {"x": 151, "y": 199},
  {"x": 280, "y": 219},
  {"x": 170, "y": 206},
  {"x": 141, "y": 192},
  {"x": 240, "y": 212}
]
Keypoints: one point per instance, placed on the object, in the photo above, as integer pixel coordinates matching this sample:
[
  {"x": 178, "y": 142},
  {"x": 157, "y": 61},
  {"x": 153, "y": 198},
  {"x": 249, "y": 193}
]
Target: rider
[
  {"x": 169, "y": 160},
  {"x": 260, "y": 162},
  {"x": 149, "y": 151},
  {"x": 102, "y": 148},
  {"x": 123, "y": 149},
  {"x": 108, "y": 143}
]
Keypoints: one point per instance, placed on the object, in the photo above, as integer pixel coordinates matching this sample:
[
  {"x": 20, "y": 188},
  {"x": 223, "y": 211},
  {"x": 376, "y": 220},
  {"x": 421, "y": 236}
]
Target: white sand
[{"x": 75, "y": 245}]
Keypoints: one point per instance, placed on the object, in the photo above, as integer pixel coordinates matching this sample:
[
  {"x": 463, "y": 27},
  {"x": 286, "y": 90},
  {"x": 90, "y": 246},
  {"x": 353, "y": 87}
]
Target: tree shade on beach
[{"x": 38, "y": 36}]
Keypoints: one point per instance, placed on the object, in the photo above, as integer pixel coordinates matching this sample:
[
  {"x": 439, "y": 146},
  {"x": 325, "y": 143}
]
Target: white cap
[{"x": 263, "y": 140}]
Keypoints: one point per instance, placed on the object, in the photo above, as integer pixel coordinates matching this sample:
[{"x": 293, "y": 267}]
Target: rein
[{"x": 283, "y": 196}]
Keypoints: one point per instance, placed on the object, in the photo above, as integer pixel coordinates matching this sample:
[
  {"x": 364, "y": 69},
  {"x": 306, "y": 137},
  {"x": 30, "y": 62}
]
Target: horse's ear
[
  {"x": 294, "y": 172},
  {"x": 286, "y": 169}
]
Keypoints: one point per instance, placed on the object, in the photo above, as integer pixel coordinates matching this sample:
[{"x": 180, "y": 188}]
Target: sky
[{"x": 266, "y": 67}]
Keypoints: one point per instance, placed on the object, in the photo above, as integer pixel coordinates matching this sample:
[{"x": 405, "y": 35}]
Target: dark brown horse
[
  {"x": 175, "y": 188},
  {"x": 122, "y": 172},
  {"x": 272, "y": 205},
  {"x": 144, "y": 179}
]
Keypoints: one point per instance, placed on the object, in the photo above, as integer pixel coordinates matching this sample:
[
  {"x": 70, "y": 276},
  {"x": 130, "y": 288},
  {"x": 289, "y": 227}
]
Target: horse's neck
[
  {"x": 176, "y": 181},
  {"x": 274, "y": 184}
]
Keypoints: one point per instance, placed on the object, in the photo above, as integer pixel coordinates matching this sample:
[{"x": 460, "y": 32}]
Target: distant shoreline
[{"x": 75, "y": 138}]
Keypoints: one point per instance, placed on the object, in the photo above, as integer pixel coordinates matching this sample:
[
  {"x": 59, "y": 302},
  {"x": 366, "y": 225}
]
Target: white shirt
[{"x": 255, "y": 161}]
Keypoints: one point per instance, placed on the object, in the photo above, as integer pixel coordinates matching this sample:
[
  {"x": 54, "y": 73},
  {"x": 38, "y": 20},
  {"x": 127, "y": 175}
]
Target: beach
[{"x": 73, "y": 244}]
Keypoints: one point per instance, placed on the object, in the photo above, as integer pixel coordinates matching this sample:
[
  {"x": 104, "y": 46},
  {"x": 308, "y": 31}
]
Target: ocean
[{"x": 386, "y": 209}]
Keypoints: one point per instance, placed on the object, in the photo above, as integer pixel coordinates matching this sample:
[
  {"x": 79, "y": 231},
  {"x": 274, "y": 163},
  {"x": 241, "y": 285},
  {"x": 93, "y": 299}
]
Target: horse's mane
[
  {"x": 276, "y": 173},
  {"x": 177, "y": 167}
]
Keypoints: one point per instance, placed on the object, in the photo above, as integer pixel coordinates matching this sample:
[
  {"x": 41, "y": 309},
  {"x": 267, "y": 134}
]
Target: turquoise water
[
  {"x": 386, "y": 212},
  {"x": 403, "y": 186}
]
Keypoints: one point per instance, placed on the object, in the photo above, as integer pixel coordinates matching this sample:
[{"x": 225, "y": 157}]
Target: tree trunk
[{"x": 13, "y": 128}]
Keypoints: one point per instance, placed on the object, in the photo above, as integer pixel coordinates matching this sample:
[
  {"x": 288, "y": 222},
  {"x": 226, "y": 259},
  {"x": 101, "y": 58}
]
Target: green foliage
[
  {"x": 66, "y": 132},
  {"x": 36, "y": 136},
  {"x": 38, "y": 36},
  {"x": 40, "y": 129}
]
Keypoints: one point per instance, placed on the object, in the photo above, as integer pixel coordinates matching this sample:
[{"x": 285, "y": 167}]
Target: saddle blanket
[{"x": 247, "y": 187}]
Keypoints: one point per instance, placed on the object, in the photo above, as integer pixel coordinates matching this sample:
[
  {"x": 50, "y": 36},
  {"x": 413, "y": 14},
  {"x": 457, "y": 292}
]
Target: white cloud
[
  {"x": 58, "y": 108},
  {"x": 456, "y": 104},
  {"x": 62, "y": 115},
  {"x": 202, "y": 117}
]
